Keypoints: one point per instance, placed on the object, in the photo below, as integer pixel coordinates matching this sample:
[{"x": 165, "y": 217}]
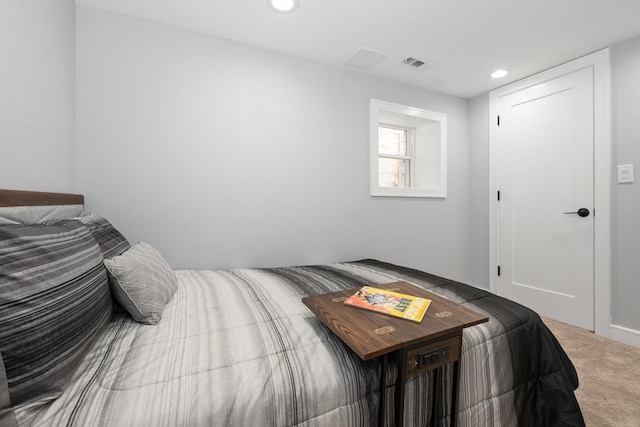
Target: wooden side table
[{"x": 419, "y": 347}]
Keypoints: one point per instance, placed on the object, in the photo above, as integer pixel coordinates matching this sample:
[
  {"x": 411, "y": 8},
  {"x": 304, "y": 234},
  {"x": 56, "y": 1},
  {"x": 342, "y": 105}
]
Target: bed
[{"x": 82, "y": 346}]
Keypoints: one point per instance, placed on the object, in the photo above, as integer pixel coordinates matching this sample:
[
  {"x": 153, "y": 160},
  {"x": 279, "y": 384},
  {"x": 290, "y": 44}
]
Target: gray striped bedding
[{"x": 238, "y": 348}]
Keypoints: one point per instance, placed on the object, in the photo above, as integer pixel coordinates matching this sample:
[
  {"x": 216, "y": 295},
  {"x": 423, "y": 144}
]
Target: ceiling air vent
[{"x": 416, "y": 64}]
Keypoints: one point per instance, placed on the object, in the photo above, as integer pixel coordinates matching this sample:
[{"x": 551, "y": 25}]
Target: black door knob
[{"x": 581, "y": 212}]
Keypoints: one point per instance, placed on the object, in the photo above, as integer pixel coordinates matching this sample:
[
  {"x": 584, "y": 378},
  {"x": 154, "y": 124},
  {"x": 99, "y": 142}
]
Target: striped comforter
[{"x": 238, "y": 348}]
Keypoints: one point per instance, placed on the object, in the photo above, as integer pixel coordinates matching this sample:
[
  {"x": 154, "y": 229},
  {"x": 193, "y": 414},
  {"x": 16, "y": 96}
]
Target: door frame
[{"x": 602, "y": 177}]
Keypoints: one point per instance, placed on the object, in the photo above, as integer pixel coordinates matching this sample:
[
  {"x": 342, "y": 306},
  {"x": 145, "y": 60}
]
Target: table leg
[
  {"x": 455, "y": 386},
  {"x": 400, "y": 387},
  {"x": 436, "y": 399},
  {"x": 382, "y": 411}
]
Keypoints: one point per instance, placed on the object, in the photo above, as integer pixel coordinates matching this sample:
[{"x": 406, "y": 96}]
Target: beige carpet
[{"x": 609, "y": 375}]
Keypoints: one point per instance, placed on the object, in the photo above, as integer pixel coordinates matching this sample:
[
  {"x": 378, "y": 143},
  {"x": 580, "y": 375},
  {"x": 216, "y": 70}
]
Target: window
[
  {"x": 394, "y": 156},
  {"x": 408, "y": 151}
]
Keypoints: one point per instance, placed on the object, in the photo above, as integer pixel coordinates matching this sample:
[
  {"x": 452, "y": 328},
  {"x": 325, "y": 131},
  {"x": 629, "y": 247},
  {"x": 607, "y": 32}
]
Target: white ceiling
[{"x": 467, "y": 39}]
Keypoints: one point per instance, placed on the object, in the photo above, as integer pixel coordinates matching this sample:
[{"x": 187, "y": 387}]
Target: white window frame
[
  {"x": 436, "y": 189},
  {"x": 410, "y": 156}
]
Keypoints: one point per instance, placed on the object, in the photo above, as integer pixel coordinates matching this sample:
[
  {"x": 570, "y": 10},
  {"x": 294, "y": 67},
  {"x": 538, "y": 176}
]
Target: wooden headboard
[{"x": 37, "y": 198}]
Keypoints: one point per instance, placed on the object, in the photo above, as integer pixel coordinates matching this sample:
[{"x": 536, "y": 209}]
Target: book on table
[{"x": 396, "y": 304}]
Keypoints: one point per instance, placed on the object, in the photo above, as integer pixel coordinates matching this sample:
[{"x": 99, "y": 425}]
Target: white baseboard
[{"x": 625, "y": 335}]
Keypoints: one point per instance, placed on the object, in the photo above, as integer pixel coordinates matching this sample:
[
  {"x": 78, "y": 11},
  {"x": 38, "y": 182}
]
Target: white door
[{"x": 545, "y": 175}]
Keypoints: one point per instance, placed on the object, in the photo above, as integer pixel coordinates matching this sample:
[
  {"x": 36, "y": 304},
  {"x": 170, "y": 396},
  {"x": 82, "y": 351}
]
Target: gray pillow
[{"x": 142, "y": 282}]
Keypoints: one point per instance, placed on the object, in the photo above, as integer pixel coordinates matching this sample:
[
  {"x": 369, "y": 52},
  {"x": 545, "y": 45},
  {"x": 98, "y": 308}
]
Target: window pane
[
  {"x": 392, "y": 141},
  {"x": 393, "y": 172}
]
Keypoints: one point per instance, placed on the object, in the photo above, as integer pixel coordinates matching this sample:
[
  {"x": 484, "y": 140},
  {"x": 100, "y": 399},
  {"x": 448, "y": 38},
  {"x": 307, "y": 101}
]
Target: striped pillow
[
  {"x": 111, "y": 241},
  {"x": 54, "y": 300}
]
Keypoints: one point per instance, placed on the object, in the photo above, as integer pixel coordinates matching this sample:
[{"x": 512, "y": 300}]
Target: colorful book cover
[{"x": 388, "y": 302}]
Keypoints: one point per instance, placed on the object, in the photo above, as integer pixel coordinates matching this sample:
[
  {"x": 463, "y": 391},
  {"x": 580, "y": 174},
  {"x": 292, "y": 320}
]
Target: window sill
[{"x": 409, "y": 192}]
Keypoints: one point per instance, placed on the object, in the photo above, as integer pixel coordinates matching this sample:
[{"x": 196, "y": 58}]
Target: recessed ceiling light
[
  {"x": 499, "y": 73},
  {"x": 283, "y": 6}
]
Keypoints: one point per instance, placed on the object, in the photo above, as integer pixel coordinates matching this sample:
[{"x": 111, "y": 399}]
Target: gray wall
[
  {"x": 225, "y": 155},
  {"x": 37, "y": 94},
  {"x": 479, "y": 191},
  {"x": 625, "y": 210}
]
